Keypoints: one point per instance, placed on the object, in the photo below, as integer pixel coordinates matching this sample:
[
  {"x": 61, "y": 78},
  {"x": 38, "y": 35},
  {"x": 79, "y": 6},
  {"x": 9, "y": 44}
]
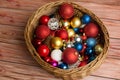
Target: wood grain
[{"x": 16, "y": 62}]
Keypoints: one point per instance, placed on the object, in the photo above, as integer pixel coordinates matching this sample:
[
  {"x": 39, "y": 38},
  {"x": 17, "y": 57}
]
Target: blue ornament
[
  {"x": 78, "y": 46},
  {"x": 76, "y": 30},
  {"x": 91, "y": 58},
  {"x": 63, "y": 66},
  {"x": 89, "y": 51},
  {"x": 91, "y": 42},
  {"x": 86, "y": 19}
]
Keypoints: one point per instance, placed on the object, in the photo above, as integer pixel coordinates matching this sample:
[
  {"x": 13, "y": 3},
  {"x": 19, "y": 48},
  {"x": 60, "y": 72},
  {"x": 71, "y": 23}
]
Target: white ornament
[
  {"x": 56, "y": 55},
  {"x": 78, "y": 39},
  {"x": 53, "y": 23},
  {"x": 83, "y": 25}
]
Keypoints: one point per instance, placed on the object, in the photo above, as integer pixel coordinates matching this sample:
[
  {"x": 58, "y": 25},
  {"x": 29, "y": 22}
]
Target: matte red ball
[
  {"x": 42, "y": 31},
  {"x": 70, "y": 56},
  {"x": 44, "y": 19},
  {"x": 36, "y": 42},
  {"x": 91, "y": 30},
  {"x": 66, "y": 11},
  {"x": 43, "y": 50},
  {"x": 82, "y": 63},
  {"x": 62, "y": 34}
]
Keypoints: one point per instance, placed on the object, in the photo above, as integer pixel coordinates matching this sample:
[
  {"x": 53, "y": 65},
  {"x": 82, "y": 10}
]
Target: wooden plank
[
  {"x": 20, "y": 72},
  {"x": 20, "y": 17},
  {"x": 31, "y": 5}
]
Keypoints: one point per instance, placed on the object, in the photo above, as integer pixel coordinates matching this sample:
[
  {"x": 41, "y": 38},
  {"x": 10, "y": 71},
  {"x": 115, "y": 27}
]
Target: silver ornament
[
  {"x": 83, "y": 25},
  {"x": 75, "y": 65},
  {"x": 53, "y": 23},
  {"x": 69, "y": 44},
  {"x": 78, "y": 39}
]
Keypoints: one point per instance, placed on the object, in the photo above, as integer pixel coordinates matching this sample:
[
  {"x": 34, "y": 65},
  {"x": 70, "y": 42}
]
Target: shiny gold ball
[
  {"x": 98, "y": 49},
  {"x": 56, "y": 42},
  {"x": 75, "y": 22},
  {"x": 65, "y": 23},
  {"x": 71, "y": 33}
]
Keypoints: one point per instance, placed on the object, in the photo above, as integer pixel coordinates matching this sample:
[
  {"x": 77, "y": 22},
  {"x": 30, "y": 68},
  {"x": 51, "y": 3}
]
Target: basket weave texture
[{"x": 70, "y": 74}]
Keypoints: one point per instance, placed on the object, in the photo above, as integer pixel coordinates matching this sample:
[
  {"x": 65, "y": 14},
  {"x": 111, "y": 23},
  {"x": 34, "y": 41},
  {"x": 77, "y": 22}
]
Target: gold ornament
[
  {"x": 56, "y": 42},
  {"x": 65, "y": 23},
  {"x": 98, "y": 49},
  {"x": 71, "y": 32},
  {"x": 75, "y": 22}
]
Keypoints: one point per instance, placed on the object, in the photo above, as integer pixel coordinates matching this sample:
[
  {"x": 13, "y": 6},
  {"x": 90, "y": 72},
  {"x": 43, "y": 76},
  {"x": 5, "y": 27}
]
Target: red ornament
[
  {"x": 83, "y": 49},
  {"x": 84, "y": 37},
  {"x": 36, "y": 42},
  {"x": 42, "y": 31},
  {"x": 52, "y": 33},
  {"x": 43, "y": 50},
  {"x": 70, "y": 55},
  {"x": 66, "y": 10},
  {"x": 91, "y": 30},
  {"x": 48, "y": 59},
  {"x": 82, "y": 63},
  {"x": 62, "y": 34},
  {"x": 44, "y": 19}
]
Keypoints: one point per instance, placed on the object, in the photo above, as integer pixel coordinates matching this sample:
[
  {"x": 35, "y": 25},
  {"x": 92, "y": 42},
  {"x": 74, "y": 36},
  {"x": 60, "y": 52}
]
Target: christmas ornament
[
  {"x": 56, "y": 55},
  {"x": 52, "y": 32},
  {"x": 76, "y": 30},
  {"x": 75, "y": 65},
  {"x": 71, "y": 33},
  {"x": 78, "y": 46},
  {"x": 89, "y": 51},
  {"x": 62, "y": 34},
  {"x": 65, "y": 23},
  {"x": 91, "y": 30},
  {"x": 91, "y": 42},
  {"x": 83, "y": 63},
  {"x": 86, "y": 19},
  {"x": 83, "y": 25},
  {"x": 91, "y": 58},
  {"x": 56, "y": 42},
  {"x": 98, "y": 49},
  {"x": 70, "y": 55},
  {"x": 78, "y": 38},
  {"x": 66, "y": 11},
  {"x": 42, "y": 31},
  {"x": 69, "y": 44},
  {"x": 75, "y": 22},
  {"x": 44, "y": 19},
  {"x": 36, "y": 42},
  {"x": 63, "y": 66},
  {"x": 53, "y": 23},
  {"x": 48, "y": 59},
  {"x": 43, "y": 50},
  {"x": 54, "y": 63},
  {"x": 83, "y": 49},
  {"x": 84, "y": 37}
]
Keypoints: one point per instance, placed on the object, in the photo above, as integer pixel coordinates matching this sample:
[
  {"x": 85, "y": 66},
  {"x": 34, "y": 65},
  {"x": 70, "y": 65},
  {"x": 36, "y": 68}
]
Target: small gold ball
[
  {"x": 65, "y": 23},
  {"x": 71, "y": 32},
  {"x": 75, "y": 22},
  {"x": 56, "y": 42},
  {"x": 98, "y": 49}
]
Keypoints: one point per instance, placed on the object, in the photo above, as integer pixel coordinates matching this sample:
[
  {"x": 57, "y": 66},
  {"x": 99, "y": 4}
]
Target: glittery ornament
[
  {"x": 56, "y": 55},
  {"x": 75, "y": 22},
  {"x": 53, "y": 23}
]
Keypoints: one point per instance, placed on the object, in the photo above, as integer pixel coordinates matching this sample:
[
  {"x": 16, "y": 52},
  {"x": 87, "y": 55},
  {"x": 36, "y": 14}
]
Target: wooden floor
[{"x": 17, "y": 64}]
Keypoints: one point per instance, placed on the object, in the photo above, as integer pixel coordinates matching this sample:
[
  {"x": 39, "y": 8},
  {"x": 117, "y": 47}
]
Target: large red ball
[
  {"x": 70, "y": 55},
  {"x": 43, "y": 50},
  {"x": 62, "y": 34},
  {"x": 44, "y": 19},
  {"x": 66, "y": 10},
  {"x": 42, "y": 31},
  {"x": 91, "y": 30}
]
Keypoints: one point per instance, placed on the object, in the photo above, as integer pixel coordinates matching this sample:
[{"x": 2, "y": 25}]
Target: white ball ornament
[
  {"x": 56, "y": 55},
  {"x": 53, "y": 23},
  {"x": 78, "y": 39}
]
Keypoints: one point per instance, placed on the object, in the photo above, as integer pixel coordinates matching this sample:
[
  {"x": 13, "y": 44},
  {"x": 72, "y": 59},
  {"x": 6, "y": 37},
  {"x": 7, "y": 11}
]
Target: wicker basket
[{"x": 70, "y": 74}]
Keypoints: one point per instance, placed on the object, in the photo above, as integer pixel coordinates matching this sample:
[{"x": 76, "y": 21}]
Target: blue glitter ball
[
  {"x": 76, "y": 30},
  {"x": 89, "y": 51},
  {"x": 78, "y": 46},
  {"x": 91, "y": 42},
  {"x": 86, "y": 19},
  {"x": 63, "y": 66}
]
